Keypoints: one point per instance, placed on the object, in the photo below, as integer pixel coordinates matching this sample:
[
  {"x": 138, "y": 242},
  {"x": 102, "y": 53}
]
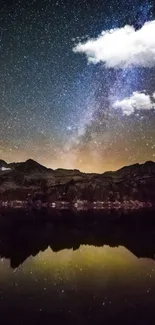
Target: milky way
[{"x": 57, "y": 108}]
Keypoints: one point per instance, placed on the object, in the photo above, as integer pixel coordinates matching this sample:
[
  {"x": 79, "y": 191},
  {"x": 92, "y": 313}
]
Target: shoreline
[{"x": 78, "y": 205}]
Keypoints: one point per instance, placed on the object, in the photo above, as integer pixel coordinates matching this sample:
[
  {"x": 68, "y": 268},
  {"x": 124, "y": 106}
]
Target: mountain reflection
[{"x": 20, "y": 240}]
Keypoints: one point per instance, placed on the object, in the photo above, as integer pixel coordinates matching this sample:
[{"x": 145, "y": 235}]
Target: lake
[{"x": 78, "y": 274}]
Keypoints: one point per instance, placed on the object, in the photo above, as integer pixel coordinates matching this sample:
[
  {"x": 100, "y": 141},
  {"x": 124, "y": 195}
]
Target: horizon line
[{"x": 83, "y": 172}]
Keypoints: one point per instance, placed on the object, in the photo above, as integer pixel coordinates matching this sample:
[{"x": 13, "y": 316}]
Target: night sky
[{"x": 62, "y": 106}]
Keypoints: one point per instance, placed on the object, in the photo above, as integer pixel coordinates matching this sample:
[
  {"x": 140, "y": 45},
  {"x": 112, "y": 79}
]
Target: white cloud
[
  {"x": 137, "y": 100},
  {"x": 122, "y": 47}
]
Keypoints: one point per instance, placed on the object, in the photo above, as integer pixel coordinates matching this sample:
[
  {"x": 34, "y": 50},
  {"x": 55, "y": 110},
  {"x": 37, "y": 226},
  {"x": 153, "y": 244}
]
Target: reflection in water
[{"x": 73, "y": 275}]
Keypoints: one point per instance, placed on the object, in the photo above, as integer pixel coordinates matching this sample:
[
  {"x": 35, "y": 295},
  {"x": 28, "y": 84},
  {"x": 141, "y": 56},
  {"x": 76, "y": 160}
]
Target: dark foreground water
[{"x": 91, "y": 272}]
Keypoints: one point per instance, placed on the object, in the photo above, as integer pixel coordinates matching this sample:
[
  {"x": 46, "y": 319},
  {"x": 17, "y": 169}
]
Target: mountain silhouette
[
  {"x": 134, "y": 182},
  {"x": 26, "y": 239}
]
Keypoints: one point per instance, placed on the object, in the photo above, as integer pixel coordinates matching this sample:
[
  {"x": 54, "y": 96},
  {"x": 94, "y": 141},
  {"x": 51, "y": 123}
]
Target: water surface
[{"x": 67, "y": 275}]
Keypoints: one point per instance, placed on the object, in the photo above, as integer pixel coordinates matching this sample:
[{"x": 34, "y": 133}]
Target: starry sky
[{"x": 57, "y": 107}]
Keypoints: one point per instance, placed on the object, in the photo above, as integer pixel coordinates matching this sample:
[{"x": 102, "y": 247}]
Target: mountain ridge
[
  {"x": 31, "y": 162},
  {"x": 29, "y": 178}
]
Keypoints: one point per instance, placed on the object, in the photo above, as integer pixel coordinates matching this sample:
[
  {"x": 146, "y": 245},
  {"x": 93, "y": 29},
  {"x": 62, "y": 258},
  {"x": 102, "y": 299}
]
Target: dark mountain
[
  {"x": 3, "y": 163},
  {"x": 148, "y": 166},
  {"x": 28, "y": 240},
  {"x": 29, "y": 166},
  {"x": 135, "y": 182}
]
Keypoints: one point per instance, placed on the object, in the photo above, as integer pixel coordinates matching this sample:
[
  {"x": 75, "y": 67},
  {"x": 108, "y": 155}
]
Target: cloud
[
  {"x": 138, "y": 101},
  {"x": 122, "y": 47}
]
